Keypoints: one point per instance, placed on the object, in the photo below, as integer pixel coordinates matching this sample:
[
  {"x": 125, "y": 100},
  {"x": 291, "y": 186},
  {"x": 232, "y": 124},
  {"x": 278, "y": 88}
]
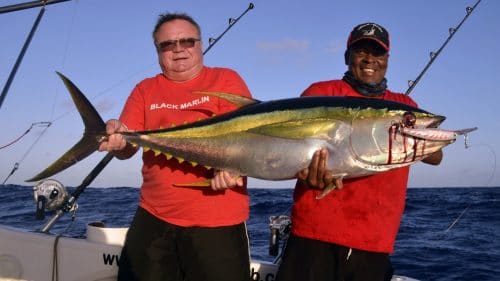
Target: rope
[{"x": 55, "y": 271}]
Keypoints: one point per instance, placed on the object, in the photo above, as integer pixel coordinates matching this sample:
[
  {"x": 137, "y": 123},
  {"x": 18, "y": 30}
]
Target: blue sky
[{"x": 279, "y": 48}]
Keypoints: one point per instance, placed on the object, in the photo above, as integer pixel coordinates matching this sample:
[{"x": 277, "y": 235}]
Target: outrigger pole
[
  {"x": 18, "y": 7},
  {"x": 28, "y": 5},
  {"x": 433, "y": 55}
]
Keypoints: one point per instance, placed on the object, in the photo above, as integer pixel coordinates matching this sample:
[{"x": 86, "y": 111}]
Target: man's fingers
[{"x": 302, "y": 174}]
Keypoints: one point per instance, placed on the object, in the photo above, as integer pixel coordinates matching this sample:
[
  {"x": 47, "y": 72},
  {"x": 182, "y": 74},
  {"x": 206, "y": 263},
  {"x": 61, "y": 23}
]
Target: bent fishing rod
[
  {"x": 70, "y": 203},
  {"x": 434, "y": 55}
]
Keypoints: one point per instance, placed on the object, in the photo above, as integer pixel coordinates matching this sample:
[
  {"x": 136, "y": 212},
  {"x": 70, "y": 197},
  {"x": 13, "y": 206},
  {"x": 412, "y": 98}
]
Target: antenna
[{"x": 434, "y": 55}]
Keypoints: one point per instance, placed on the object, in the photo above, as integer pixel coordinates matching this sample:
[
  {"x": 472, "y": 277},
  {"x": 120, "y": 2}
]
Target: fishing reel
[
  {"x": 280, "y": 229},
  {"x": 49, "y": 195}
]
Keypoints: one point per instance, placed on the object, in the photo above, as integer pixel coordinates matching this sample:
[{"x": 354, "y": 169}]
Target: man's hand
[
  {"x": 115, "y": 142},
  {"x": 317, "y": 174},
  {"x": 224, "y": 179}
]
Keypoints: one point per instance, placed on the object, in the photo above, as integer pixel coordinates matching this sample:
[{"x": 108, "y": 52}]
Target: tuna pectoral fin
[
  {"x": 205, "y": 183},
  {"x": 94, "y": 127},
  {"x": 336, "y": 184},
  {"x": 79, "y": 151}
]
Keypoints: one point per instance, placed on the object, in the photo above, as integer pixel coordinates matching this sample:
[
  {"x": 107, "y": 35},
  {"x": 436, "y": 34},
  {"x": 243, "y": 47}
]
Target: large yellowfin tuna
[{"x": 276, "y": 139}]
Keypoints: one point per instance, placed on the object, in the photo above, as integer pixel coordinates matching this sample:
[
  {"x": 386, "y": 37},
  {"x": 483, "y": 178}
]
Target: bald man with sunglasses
[{"x": 182, "y": 233}]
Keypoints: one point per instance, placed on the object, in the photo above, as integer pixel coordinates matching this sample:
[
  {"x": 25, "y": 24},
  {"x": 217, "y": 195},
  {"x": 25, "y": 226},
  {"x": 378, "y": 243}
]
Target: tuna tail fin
[{"x": 95, "y": 128}]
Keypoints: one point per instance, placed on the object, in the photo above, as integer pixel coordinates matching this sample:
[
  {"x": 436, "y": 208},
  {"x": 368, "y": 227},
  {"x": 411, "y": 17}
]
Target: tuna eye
[{"x": 409, "y": 119}]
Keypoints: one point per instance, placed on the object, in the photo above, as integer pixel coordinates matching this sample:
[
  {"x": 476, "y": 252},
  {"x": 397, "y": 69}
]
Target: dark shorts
[
  {"x": 157, "y": 250},
  {"x": 307, "y": 259}
]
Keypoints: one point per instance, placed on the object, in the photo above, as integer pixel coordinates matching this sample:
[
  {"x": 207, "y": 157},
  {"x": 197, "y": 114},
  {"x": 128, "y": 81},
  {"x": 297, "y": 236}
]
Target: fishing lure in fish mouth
[{"x": 276, "y": 139}]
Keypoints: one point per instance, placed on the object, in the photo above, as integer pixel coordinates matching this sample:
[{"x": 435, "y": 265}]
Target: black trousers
[
  {"x": 157, "y": 250},
  {"x": 312, "y": 260}
]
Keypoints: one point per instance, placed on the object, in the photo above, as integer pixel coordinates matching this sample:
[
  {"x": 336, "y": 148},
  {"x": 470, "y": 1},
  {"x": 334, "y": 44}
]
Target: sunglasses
[{"x": 169, "y": 45}]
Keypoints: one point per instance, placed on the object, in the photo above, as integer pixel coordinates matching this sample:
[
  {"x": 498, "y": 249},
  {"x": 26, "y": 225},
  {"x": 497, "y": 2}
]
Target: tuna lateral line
[{"x": 434, "y": 55}]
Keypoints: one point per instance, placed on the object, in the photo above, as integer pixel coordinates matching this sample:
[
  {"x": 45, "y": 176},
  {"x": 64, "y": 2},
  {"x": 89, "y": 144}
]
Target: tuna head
[{"x": 383, "y": 140}]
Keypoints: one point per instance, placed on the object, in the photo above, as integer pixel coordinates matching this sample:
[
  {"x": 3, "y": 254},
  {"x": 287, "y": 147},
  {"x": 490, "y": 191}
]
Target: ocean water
[{"x": 446, "y": 233}]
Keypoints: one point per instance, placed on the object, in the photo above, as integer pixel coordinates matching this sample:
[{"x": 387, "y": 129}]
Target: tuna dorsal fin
[
  {"x": 297, "y": 129},
  {"x": 237, "y": 100}
]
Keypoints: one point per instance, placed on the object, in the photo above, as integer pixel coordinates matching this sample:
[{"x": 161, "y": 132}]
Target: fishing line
[
  {"x": 42, "y": 124},
  {"x": 442, "y": 235},
  {"x": 16, "y": 165},
  {"x": 434, "y": 55}
]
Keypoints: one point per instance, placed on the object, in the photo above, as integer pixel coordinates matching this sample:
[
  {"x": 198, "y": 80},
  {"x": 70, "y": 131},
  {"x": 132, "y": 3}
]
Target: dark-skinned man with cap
[{"x": 349, "y": 234}]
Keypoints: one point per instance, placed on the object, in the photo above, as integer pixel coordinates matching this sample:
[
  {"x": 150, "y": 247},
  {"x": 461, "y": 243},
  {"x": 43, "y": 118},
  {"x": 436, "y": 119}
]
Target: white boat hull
[{"x": 37, "y": 256}]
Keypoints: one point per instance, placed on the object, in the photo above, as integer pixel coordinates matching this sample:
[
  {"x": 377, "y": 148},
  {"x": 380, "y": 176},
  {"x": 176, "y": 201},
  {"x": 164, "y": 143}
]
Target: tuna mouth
[
  {"x": 432, "y": 134},
  {"x": 436, "y": 121}
]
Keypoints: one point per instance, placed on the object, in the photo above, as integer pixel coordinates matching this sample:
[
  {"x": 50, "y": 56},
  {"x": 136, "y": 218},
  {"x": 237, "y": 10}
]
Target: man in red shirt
[
  {"x": 181, "y": 233},
  {"x": 348, "y": 234}
]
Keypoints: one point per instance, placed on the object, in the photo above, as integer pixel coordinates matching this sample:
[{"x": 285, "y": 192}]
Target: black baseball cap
[{"x": 369, "y": 31}]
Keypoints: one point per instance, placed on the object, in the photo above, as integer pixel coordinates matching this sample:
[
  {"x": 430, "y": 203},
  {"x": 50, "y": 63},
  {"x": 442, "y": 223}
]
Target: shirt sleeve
[{"x": 133, "y": 114}]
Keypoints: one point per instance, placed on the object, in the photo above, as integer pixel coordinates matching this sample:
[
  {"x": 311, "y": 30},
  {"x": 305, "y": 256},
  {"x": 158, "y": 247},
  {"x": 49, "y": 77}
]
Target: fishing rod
[
  {"x": 69, "y": 204},
  {"x": 28, "y": 5},
  {"x": 434, "y": 55},
  {"x": 232, "y": 21}
]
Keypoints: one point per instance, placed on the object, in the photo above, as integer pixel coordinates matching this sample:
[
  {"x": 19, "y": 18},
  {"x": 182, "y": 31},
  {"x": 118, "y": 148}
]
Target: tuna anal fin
[
  {"x": 205, "y": 183},
  {"x": 336, "y": 184}
]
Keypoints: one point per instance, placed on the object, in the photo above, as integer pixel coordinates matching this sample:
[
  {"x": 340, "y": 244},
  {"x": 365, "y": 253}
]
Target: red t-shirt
[
  {"x": 366, "y": 213},
  {"x": 158, "y": 102}
]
